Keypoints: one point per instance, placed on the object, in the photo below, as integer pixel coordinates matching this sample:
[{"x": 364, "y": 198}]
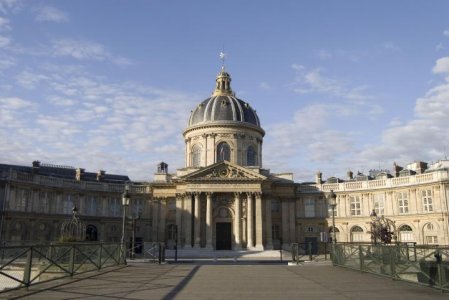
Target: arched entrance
[{"x": 223, "y": 229}]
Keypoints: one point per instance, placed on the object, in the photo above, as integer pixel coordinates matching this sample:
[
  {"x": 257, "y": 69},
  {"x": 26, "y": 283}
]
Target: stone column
[
  {"x": 155, "y": 222},
  {"x": 259, "y": 222},
  {"x": 179, "y": 218},
  {"x": 285, "y": 225},
  {"x": 162, "y": 206},
  {"x": 292, "y": 221},
  {"x": 237, "y": 219},
  {"x": 188, "y": 221},
  {"x": 209, "y": 221},
  {"x": 197, "y": 217},
  {"x": 269, "y": 244},
  {"x": 250, "y": 221}
]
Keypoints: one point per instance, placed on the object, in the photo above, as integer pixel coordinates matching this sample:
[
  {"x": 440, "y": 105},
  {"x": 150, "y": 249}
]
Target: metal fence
[
  {"x": 425, "y": 265},
  {"x": 22, "y": 266}
]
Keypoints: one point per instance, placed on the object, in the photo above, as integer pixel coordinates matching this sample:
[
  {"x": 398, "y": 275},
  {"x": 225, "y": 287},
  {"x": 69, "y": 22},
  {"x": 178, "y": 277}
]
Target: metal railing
[
  {"x": 420, "y": 264},
  {"x": 22, "y": 266}
]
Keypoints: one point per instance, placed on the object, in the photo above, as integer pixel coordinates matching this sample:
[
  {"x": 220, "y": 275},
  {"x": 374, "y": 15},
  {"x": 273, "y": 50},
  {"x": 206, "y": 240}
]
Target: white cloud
[
  {"x": 264, "y": 86},
  {"x": 4, "y": 41},
  {"x": 9, "y": 5},
  {"x": 86, "y": 50},
  {"x": 390, "y": 46},
  {"x": 441, "y": 65},
  {"x": 50, "y": 14},
  {"x": 446, "y": 32},
  {"x": 14, "y": 103},
  {"x": 30, "y": 80},
  {"x": 313, "y": 81},
  {"x": 4, "y": 24}
]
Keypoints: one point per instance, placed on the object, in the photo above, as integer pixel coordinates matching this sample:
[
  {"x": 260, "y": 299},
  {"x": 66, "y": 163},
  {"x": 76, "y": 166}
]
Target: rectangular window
[
  {"x": 431, "y": 239},
  {"x": 275, "y": 205},
  {"x": 22, "y": 199},
  {"x": 356, "y": 206},
  {"x": 379, "y": 204},
  {"x": 275, "y": 232},
  {"x": 43, "y": 202},
  {"x": 67, "y": 205},
  {"x": 402, "y": 202},
  {"x": 91, "y": 206},
  {"x": 138, "y": 207},
  {"x": 427, "y": 200},
  {"x": 309, "y": 208},
  {"x": 114, "y": 207}
]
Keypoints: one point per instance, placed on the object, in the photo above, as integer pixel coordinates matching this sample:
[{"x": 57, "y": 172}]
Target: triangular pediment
[{"x": 223, "y": 170}]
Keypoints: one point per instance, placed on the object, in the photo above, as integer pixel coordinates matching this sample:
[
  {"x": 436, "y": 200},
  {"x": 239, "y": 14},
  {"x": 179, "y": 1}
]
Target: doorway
[{"x": 223, "y": 236}]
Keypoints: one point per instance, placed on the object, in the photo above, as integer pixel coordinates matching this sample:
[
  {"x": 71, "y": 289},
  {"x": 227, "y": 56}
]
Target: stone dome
[{"x": 223, "y": 106}]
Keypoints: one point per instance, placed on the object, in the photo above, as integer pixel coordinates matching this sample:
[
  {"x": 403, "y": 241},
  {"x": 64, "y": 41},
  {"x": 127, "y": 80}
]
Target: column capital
[{"x": 208, "y": 194}]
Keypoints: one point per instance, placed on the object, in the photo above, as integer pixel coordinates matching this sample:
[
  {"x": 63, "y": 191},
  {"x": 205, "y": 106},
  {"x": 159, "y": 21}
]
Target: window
[
  {"x": 356, "y": 234},
  {"x": 223, "y": 152},
  {"x": 172, "y": 232},
  {"x": 23, "y": 196},
  {"x": 379, "y": 204},
  {"x": 91, "y": 206},
  {"x": 329, "y": 211},
  {"x": 427, "y": 200},
  {"x": 355, "y": 205},
  {"x": 196, "y": 156},
  {"x": 251, "y": 156},
  {"x": 67, "y": 204},
  {"x": 402, "y": 202},
  {"x": 275, "y": 205},
  {"x": 275, "y": 232},
  {"x": 138, "y": 207},
  {"x": 406, "y": 234},
  {"x": 309, "y": 208},
  {"x": 431, "y": 239},
  {"x": 331, "y": 233},
  {"x": 43, "y": 202},
  {"x": 114, "y": 207}
]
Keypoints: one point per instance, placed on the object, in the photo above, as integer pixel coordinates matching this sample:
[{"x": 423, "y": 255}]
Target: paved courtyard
[{"x": 227, "y": 280}]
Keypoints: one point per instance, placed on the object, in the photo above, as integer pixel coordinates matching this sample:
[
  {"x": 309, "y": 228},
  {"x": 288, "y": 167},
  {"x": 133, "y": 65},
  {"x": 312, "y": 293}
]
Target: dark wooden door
[{"x": 224, "y": 234}]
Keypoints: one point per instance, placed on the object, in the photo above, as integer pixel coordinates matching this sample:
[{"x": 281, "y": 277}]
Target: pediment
[{"x": 223, "y": 171}]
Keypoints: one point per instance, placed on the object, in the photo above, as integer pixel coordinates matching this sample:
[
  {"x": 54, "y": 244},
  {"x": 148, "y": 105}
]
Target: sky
[{"x": 338, "y": 85}]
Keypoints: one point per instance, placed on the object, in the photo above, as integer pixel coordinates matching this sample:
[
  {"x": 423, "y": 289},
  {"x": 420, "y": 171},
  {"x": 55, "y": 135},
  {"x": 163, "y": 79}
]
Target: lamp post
[
  {"x": 332, "y": 198},
  {"x": 125, "y": 203}
]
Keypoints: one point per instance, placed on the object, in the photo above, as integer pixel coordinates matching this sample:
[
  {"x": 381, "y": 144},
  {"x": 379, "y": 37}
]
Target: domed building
[{"x": 223, "y": 198}]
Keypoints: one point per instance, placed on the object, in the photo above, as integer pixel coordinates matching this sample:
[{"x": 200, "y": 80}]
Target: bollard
[
  {"x": 160, "y": 253},
  {"x": 310, "y": 250}
]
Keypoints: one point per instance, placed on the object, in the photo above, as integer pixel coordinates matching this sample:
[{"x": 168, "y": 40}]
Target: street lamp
[
  {"x": 332, "y": 198},
  {"x": 125, "y": 203}
]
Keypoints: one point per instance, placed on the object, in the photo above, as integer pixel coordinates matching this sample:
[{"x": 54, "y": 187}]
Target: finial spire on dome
[{"x": 223, "y": 81}]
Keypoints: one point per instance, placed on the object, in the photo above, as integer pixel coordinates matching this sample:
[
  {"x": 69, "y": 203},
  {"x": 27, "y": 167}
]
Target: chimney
[
  {"x": 319, "y": 177},
  {"x": 396, "y": 169},
  {"x": 79, "y": 174},
  {"x": 162, "y": 168},
  {"x": 100, "y": 175},
  {"x": 36, "y": 166},
  {"x": 350, "y": 175},
  {"x": 421, "y": 167}
]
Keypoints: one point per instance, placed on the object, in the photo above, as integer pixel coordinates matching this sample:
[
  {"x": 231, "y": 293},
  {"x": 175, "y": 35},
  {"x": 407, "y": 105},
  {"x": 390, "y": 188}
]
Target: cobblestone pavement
[{"x": 227, "y": 280}]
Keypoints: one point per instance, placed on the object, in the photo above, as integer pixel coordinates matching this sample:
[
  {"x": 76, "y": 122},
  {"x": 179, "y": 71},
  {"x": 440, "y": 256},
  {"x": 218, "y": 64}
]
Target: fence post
[
  {"x": 99, "y": 256},
  {"x": 310, "y": 250},
  {"x": 27, "y": 271},
  {"x": 393, "y": 254},
  {"x": 361, "y": 259},
  {"x": 72, "y": 260}
]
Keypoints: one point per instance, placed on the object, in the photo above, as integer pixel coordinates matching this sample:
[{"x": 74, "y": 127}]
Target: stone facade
[{"x": 223, "y": 198}]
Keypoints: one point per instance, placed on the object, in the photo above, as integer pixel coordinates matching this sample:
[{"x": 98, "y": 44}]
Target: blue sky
[{"x": 337, "y": 85}]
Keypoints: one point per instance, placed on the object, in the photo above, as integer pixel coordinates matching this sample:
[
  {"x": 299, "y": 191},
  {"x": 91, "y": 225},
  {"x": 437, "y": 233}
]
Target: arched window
[
  {"x": 357, "y": 234},
  {"x": 251, "y": 156},
  {"x": 196, "y": 156},
  {"x": 223, "y": 152},
  {"x": 331, "y": 234},
  {"x": 406, "y": 234},
  {"x": 91, "y": 233}
]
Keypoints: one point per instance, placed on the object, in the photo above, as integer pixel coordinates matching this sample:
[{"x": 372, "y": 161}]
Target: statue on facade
[{"x": 383, "y": 230}]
